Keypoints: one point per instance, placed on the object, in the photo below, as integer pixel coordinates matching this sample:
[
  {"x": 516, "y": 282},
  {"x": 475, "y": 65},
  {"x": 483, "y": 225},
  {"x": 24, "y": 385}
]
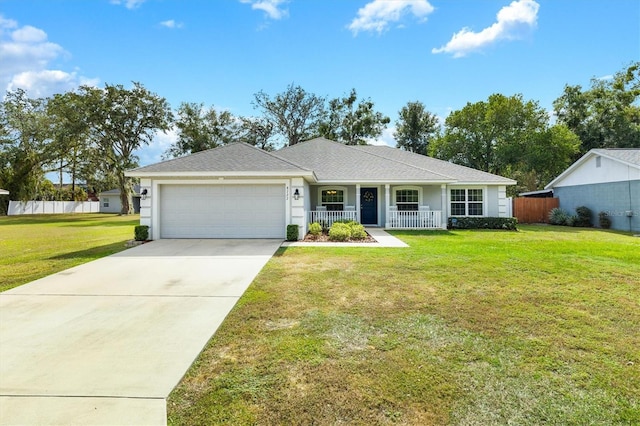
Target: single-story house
[
  {"x": 240, "y": 191},
  {"x": 604, "y": 180},
  {"x": 110, "y": 200}
]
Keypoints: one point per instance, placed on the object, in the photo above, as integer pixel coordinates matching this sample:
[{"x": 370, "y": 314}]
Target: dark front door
[{"x": 369, "y": 206}]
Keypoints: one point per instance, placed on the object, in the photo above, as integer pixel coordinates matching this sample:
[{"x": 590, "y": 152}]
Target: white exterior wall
[
  {"x": 298, "y": 212},
  {"x": 504, "y": 203},
  {"x": 609, "y": 171},
  {"x": 145, "y": 205}
]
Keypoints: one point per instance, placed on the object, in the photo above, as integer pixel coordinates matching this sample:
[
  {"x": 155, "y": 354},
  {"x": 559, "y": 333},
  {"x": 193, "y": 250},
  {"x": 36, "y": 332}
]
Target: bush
[
  {"x": 583, "y": 217},
  {"x": 571, "y": 220},
  {"x": 357, "y": 231},
  {"x": 292, "y": 232},
  {"x": 508, "y": 223},
  {"x": 339, "y": 232},
  {"x": 141, "y": 233},
  {"x": 557, "y": 216},
  {"x": 605, "y": 222},
  {"x": 315, "y": 229}
]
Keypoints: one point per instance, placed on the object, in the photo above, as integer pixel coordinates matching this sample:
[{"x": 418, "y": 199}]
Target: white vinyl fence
[{"x": 52, "y": 207}]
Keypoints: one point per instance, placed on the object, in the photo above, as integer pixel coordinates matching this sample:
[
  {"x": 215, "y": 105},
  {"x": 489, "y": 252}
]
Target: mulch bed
[{"x": 324, "y": 238}]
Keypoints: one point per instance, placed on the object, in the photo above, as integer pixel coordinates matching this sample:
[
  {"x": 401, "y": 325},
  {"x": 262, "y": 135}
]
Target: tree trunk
[{"x": 125, "y": 195}]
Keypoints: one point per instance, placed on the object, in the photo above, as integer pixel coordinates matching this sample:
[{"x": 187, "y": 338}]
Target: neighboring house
[
  {"x": 110, "y": 200},
  {"x": 240, "y": 191},
  {"x": 604, "y": 180}
]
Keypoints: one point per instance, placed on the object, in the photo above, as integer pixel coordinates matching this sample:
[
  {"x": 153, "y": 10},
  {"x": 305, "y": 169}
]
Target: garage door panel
[{"x": 222, "y": 211}]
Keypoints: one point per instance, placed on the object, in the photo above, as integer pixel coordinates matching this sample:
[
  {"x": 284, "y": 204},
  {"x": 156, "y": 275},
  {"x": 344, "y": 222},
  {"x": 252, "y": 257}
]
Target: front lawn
[
  {"x": 34, "y": 246},
  {"x": 538, "y": 326}
]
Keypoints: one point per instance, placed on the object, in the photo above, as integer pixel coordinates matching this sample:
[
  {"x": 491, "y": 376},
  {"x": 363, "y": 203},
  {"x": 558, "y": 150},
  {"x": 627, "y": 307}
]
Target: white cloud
[
  {"x": 272, "y": 8},
  {"x": 129, "y": 4},
  {"x": 379, "y": 14},
  {"x": 386, "y": 138},
  {"x": 26, "y": 56},
  {"x": 512, "y": 21},
  {"x": 46, "y": 82},
  {"x": 171, "y": 24},
  {"x": 161, "y": 142}
]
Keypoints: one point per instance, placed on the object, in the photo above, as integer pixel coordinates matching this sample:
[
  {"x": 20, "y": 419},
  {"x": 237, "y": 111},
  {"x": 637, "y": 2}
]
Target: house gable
[{"x": 601, "y": 166}]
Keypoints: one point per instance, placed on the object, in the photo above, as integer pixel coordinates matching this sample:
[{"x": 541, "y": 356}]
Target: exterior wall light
[
  {"x": 296, "y": 194},
  {"x": 143, "y": 194}
]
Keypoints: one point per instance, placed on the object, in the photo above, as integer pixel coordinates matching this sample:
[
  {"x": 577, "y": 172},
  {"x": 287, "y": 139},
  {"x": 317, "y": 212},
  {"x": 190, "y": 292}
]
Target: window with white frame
[
  {"x": 332, "y": 199},
  {"x": 467, "y": 202},
  {"x": 105, "y": 202},
  {"x": 407, "y": 199}
]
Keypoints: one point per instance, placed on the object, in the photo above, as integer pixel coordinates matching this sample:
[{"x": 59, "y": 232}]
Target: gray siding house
[
  {"x": 110, "y": 200},
  {"x": 604, "y": 180}
]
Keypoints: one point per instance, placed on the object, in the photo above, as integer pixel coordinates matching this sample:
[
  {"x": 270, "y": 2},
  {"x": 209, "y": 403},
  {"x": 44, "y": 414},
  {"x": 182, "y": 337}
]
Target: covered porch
[{"x": 383, "y": 205}]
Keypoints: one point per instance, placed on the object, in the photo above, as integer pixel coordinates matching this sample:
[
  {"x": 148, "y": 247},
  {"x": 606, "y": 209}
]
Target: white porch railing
[
  {"x": 429, "y": 219},
  {"x": 326, "y": 218}
]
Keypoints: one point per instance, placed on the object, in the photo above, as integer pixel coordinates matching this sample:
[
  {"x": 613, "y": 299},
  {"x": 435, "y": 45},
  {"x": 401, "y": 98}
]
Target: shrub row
[
  {"x": 341, "y": 230},
  {"x": 582, "y": 217},
  {"x": 508, "y": 223}
]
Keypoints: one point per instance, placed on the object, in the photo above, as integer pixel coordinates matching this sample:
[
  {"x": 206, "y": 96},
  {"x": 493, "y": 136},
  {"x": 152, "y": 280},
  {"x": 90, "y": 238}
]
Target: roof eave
[
  {"x": 204, "y": 174},
  {"x": 412, "y": 181},
  {"x": 506, "y": 182}
]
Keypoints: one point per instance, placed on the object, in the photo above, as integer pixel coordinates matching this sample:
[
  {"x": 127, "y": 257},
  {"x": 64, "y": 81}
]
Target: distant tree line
[{"x": 91, "y": 134}]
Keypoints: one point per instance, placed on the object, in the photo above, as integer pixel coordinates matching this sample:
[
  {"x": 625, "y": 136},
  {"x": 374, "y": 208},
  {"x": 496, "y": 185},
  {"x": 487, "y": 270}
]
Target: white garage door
[{"x": 222, "y": 211}]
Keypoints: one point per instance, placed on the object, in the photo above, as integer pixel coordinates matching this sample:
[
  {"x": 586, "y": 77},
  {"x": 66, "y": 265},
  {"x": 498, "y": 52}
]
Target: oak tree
[
  {"x": 294, "y": 113},
  {"x": 201, "y": 128},
  {"x": 351, "y": 123},
  {"x": 121, "y": 121},
  {"x": 415, "y": 128}
]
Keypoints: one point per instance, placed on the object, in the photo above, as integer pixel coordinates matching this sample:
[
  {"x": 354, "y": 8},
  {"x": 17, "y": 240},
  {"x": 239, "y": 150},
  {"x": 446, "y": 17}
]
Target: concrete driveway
[{"x": 107, "y": 341}]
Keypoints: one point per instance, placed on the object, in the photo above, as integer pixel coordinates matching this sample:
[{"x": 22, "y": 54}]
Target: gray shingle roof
[
  {"x": 333, "y": 161},
  {"x": 628, "y": 155},
  {"x": 327, "y": 160},
  {"x": 235, "y": 157},
  {"x": 454, "y": 171}
]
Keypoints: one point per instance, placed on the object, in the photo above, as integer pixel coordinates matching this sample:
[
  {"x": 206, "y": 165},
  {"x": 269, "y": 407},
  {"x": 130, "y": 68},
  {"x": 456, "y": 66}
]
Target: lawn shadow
[
  {"x": 79, "y": 219},
  {"x": 92, "y": 252}
]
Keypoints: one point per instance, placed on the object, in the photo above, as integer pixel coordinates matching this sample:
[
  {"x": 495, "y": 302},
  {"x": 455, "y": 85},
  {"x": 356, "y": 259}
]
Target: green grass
[
  {"x": 538, "y": 326},
  {"x": 34, "y": 246}
]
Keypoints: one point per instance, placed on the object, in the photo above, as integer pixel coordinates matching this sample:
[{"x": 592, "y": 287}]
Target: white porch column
[
  {"x": 358, "y": 217},
  {"x": 443, "y": 198},
  {"x": 387, "y": 202},
  {"x": 297, "y": 212}
]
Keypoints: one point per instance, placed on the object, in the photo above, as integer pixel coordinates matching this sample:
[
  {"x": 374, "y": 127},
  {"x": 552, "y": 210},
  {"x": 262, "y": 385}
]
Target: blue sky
[{"x": 443, "y": 53}]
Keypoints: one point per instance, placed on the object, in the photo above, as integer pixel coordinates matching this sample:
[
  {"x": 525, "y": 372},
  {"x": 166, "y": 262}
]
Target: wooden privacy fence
[{"x": 533, "y": 210}]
